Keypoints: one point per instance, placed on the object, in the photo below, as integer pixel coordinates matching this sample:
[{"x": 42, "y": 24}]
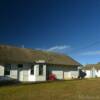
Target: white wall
[
  {"x": 92, "y": 73},
  {"x": 2, "y": 76},
  {"x": 88, "y": 74},
  {"x": 20, "y": 74},
  {"x": 98, "y": 73},
  {"x": 23, "y": 73},
  {"x": 2, "y": 73},
  {"x": 31, "y": 78},
  {"x": 40, "y": 77},
  {"x": 13, "y": 71},
  {"x": 58, "y": 73},
  {"x": 36, "y": 76},
  {"x": 62, "y": 72},
  {"x": 1, "y": 70}
]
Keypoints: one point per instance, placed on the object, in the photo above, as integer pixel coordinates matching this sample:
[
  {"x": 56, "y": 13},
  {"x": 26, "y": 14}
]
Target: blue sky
[{"x": 66, "y": 26}]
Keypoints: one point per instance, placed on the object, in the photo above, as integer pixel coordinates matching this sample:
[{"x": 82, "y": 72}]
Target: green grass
[{"x": 88, "y": 89}]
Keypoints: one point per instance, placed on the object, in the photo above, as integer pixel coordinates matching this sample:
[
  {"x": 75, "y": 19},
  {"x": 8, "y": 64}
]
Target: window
[
  {"x": 7, "y": 69},
  {"x": 40, "y": 69},
  {"x": 20, "y": 65},
  {"x": 32, "y": 70}
]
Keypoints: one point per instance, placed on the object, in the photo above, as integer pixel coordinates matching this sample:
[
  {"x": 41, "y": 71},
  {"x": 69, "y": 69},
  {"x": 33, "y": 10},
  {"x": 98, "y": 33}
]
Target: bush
[{"x": 52, "y": 77}]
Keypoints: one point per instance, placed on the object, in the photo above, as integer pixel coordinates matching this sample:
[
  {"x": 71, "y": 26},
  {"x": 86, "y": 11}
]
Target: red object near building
[{"x": 52, "y": 77}]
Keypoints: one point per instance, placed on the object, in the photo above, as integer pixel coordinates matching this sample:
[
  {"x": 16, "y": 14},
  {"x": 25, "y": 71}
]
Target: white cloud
[
  {"x": 57, "y": 48},
  {"x": 90, "y": 53},
  {"x": 61, "y": 48}
]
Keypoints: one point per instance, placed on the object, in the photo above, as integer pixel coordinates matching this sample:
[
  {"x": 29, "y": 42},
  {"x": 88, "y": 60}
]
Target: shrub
[{"x": 52, "y": 77}]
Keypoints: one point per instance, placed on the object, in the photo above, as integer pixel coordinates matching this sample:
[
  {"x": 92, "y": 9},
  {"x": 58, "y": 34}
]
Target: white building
[
  {"x": 27, "y": 65},
  {"x": 92, "y": 70}
]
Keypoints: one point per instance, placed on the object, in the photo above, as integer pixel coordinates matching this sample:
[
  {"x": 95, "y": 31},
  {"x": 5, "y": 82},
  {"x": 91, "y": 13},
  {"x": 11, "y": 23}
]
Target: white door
[{"x": 20, "y": 74}]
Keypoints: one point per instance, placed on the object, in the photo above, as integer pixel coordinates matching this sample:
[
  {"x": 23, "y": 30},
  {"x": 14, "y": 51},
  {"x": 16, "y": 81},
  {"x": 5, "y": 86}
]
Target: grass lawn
[{"x": 88, "y": 89}]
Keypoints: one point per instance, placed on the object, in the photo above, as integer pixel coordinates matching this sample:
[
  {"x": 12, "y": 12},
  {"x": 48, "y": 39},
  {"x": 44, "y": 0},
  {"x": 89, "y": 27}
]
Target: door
[{"x": 20, "y": 74}]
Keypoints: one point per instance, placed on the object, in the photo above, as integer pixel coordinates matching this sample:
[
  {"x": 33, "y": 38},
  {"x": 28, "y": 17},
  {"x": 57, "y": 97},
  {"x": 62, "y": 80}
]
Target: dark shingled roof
[
  {"x": 90, "y": 66},
  {"x": 10, "y": 54}
]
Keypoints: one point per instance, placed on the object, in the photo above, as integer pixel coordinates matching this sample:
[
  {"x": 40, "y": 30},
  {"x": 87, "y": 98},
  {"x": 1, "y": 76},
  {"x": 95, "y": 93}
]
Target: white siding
[
  {"x": 74, "y": 74},
  {"x": 67, "y": 75},
  {"x": 2, "y": 76},
  {"x": 40, "y": 77},
  {"x": 91, "y": 73},
  {"x": 1, "y": 70},
  {"x": 62, "y": 72},
  {"x": 88, "y": 74},
  {"x": 70, "y": 74},
  {"x": 98, "y": 73},
  {"x": 20, "y": 76},
  {"x": 24, "y": 73},
  {"x": 31, "y": 78},
  {"x": 59, "y": 74},
  {"x": 13, "y": 71},
  {"x": 36, "y": 76}
]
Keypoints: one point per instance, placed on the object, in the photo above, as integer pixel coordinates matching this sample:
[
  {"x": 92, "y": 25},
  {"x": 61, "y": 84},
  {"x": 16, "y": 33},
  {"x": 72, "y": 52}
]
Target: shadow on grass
[
  {"x": 9, "y": 83},
  {"x": 16, "y": 83}
]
